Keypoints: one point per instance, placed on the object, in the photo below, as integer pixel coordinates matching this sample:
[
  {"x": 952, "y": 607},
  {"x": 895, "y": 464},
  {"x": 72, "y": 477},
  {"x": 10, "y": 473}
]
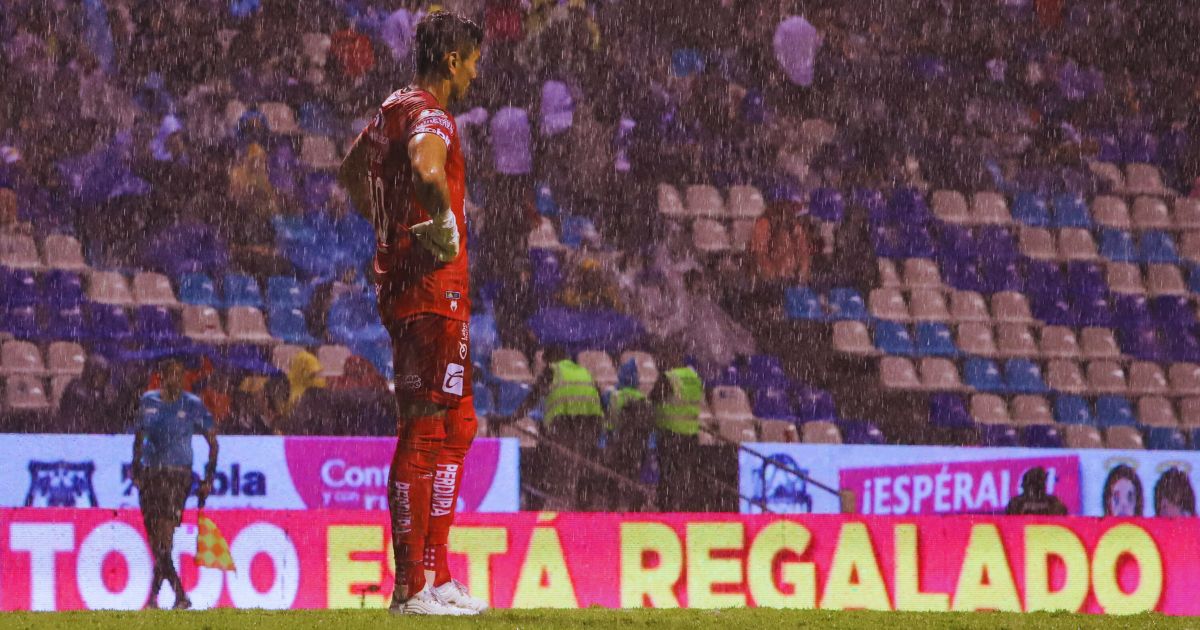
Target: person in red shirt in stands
[{"x": 407, "y": 170}]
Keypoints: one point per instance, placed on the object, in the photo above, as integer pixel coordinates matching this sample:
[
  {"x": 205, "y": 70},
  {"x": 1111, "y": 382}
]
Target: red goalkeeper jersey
[{"x": 410, "y": 280}]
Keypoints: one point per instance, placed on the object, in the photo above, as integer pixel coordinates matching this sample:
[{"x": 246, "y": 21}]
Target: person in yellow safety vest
[
  {"x": 629, "y": 425},
  {"x": 678, "y": 397},
  {"x": 572, "y": 417}
]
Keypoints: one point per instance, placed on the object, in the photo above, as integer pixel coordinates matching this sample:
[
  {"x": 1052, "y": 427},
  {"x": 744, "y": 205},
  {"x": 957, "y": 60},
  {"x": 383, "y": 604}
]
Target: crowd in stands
[{"x": 642, "y": 175}]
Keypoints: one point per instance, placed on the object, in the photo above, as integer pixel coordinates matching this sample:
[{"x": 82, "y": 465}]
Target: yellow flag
[{"x": 211, "y": 548}]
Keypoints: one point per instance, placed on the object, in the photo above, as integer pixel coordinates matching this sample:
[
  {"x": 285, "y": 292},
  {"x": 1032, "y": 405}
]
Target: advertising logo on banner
[
  {"x": 62, "y": 559},
  {"x": 268, "y": 472},
  {"x": 911, "y": 480}
]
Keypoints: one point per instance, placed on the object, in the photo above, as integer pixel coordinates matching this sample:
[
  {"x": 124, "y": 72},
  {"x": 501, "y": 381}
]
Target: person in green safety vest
[
  {"x": 677, "y": 397},
  {"x": 628, "y": 426},
  {"x": 572, "y": 417}
]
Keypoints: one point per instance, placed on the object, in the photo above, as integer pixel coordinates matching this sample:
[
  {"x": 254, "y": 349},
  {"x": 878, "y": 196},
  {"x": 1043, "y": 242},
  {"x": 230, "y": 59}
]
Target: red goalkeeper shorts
[{"x": 432, "y": 359}]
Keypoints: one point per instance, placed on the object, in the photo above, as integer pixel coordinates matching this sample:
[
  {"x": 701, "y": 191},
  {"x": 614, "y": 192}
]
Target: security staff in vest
[
  {"x": 677, "y": 399},
  {"x": 628, "y": 425},
  {"x": 572, "y": 417}
]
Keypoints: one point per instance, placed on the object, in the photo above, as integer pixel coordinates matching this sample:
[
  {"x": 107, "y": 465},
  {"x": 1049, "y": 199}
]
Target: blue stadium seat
[
  {"x": 1029, "y": 208},
  {"x": 1071, "y": 210},
  {"x": 198, "y": 289},
  {"x": 155, "y": 325},
  {"x": 827, "y": 204},
  {"x": 847, "y": 304},
  {"x": 546, "y": 206},
  {"x": 1193, "y": 277},
  {"x": 893, "y": 338},
  {"x": 949, "y": 411},
  {"x": 574, "y": 230},
  {"x": 288, "y": 325},
  {"x": 1158, "y": 247},
  {"x": 997, "y": 435},
  {"x": 774, "y": 403},
  {"x": 802, "y": 303},
  {"x": 762, "y": 370},
  {"x": 1024, "y": 377},
  {"x": 934, "y": 340},
  {"x": 484, "y": 399},
  {"x": 860, "y": 432},
  {"x": 509, "y": 396},
  {"x": 108, "y": 323},
  {"x": 20, "y": 288},
  {"x": 354, "y": 319},
  {"x": 285, "y": 292},
  {"x": 1117, "y": 245},
  {"x": 379, "y": 355},
  {"x": 1194, "y": 438},
  {"x": 484, "y": 336},
  {"x": 983, "y": 375},
  {"x": 63, "y": 289},
  {"x": 65, "y": 323},
  {"x": 1072, "y": 410},
  {"x": 1041, "y": 436},
  {"x": 1114, "y": 411},
  {"x": 1165, "y": 439},
  {"x": 815, "y": 404},
  {"x": 242, "y": 290}
]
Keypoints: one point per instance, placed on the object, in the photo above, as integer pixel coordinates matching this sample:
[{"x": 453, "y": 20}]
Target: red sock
[
  {"x": 460, "y": 432},
  {"x": 409, "y": 490}
]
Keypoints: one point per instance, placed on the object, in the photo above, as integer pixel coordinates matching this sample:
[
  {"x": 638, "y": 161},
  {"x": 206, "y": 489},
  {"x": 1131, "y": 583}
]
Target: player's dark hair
[
  {"x": 441, "y": 33},
  {"x": 1174, "y": 486},
  {"x": 1119, "y": 472}
]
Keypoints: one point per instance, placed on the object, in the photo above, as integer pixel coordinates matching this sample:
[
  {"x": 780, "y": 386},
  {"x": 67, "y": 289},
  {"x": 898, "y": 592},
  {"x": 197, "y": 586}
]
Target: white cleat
[
  {"x": 427, "y": 602},
  {"x": 455, "y": 593}
]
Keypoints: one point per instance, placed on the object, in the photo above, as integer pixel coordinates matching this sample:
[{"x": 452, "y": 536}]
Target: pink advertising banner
[
  {"x": 961, "y": 487},
  {"x": 60, "y": 559}
]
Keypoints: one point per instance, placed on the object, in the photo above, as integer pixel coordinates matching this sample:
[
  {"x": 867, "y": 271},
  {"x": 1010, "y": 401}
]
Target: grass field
[{"x": 593, "y": 618}]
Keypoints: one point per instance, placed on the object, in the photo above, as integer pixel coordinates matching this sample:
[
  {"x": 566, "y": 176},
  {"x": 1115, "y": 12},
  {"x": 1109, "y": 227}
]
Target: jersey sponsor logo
[
  {"x": 466, "y": 332},
  {"x": 462, "y": 351},
  {"x": 61, "y": 484},
  {"x": 435, "y": 122},
  {"x": 452, "y": 381},
  {"x": 453, "y": 295},
  {"x": 411, "y": 382},
  {"x": 444, "y": 482}
]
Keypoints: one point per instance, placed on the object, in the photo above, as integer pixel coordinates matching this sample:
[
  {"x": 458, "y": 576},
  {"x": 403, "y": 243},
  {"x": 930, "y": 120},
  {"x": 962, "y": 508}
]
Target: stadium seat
[
  {"x": 802, "y": 303},
  {"x": 198, "y": 289},
  {"x": 1125, "y": 278},
  {"x": 19, "y": 252},
  {"x": 1144, "y": 179},
  {"x": 968, "y": 306},
  {"x": 976, "y": 339},
  {"x": 281, "y": 119},
  {"x": 1165, "y": 439},
  {"x": 1123, "y": 438},
  {"x": 19, "y": 287},
  {"x": 544, "y": 236},
  {"x": 746, "y": 202},
  {"x": 333, "y": 360},
  {"x": 1150, "y": 213},
  {"x": 21, "y": 322},
  {"x": 203, "y": 324},
  {"x": 1065, "y": 376},
  {"x": 1158, "y": 247},
  {"x": 1189, "y": 413},
  {"x": 703, "y": 200},
  {"x": 1077, "y": 244},
  {"x": 25, "y": 392},
  {"x": 778, "y": 431},
  {"x": 21, "y": 357},
  {"x": 824, "y": 204},
  {"x": 998, "y": 435},
  {"x": 600, "y": 365},
  {"x": 669, "y": 202},
  {"x": 1041, "y": 436},
  {"x": 1099, "y": 343},
  {"x": 889, "y": 278},
  {"x": 928, "y": 305},
  {"x": 893, "y": 338},
  {"x": 1024, "y": 376},
  {"x": 860, "y": 432},
  {"x": 1114, "y": 411},
  {"x": 1184, "y": 379},
  {"x": 939, "y": 375},
  {"x": 1031, "y": 209},
  {"x": 1059, "y": 342},
  {"x": 1156, "y": 411},
  {"x": 155, "y": 326},
  {"x": 949, "y": 411},
  {"x": 511, "y": 365},
  {"x": 983, "y": 375},
  {"x": 741, "y": 232},
  {"x": 58, "y": 387},
  {"x": 242, "y": 290},
  {"x": 709, "y": 236},
  {"x": 285, "y": 292},
  {"x": 1028, "y": 410},
  {"x": 289, "y": 326},
  {"x": 1081, "y": 436},
  {"x": 820, "y": 432},
  {"x": 1037, "y": 243},
  {"x": 934, "y": 339},
  {"x": 774, "y": 403},
  {"x": 989, "y": 409},
  {"x": 846, "y": 304},
  {"x": 1110, "y": 173},
  {"x": 730, "y": 403},
  {"x": 1009, "y": 306},
  {"x": 153, "y": 289},
  {"x": 737, "y": 431},
  {"x": 108, "y": 323},
  {"x": 888, "y": 304},
  {"x": 1146, "y": 378},
  {"x": 109, "y": 287},
  {"x": 950, "y": 206},
  {"x": 1071, "y": 210},
  {"x": 281, "y": 356},
  {"x": 576, "y": 230},
  {"x": 815, "y": 404},
  {"x": 1187, "y": 213},
  {"x": 64, "y": 252},
  {"x": 65, "y": 323},
  {"x": 1117, "y": 245},
  {"x": 852, "y": 338},
  {"x": 353, "y": 320},
  {"x": 1106, "y": 377},
  {"x": 1015, "y": 340},
  {"x": 247, "y": 325},
  {"x": 65, "y": 358},
  {"x": 62, "y": 289},
  {"x": 990, "y": 208},
  {"x": 920, "y": 273},
  {"x": 1073, "y": 410},
  {"x": 898, "y": 373},
  {"x": 1111, "y": 212}
]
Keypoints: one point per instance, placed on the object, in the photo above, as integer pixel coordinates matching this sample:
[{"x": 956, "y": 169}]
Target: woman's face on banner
[{"x": 1121, "y": 501}]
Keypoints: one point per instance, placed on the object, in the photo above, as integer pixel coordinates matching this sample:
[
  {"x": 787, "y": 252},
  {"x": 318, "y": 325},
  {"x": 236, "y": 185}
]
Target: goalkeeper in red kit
[{"x": 407, "y": 168}]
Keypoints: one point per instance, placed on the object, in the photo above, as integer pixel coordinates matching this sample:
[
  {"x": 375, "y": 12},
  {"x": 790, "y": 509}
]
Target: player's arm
[
  {"x": 427, "y": 154},
  {"x": 352, "y": 175},
  {"x": 541, "y": 387},
  {"x": 210, "y": 469}
]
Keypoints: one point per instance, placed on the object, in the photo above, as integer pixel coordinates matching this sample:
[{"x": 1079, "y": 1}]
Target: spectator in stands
[
  {"x": 1123, "y": 492},
  {"x": 89, "y": 404},
  {"x": 10, "y": 222},
  {"x": 677, "y": 398},
  {"x": 852, "y": 263},
  {"x": 782, "y": 247},
  {"x": 628, "y": 425},
  {"x": 508, "y": 212},
  {"x": 304, "y": 376},
  {"x": 364, "y": 404},
  {"x": 1034, "y": 499},
  {"x": 710, "y": 336},
  {"x": 253, "y": 412},
  {"x": 1173, "y": 495},
  {"x": 589, "y": 286}
]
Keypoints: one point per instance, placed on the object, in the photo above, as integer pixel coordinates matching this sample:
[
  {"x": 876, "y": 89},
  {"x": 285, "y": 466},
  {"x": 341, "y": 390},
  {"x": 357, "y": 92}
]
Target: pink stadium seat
[
  {"x": 821, "y": 432},
  {"x": 1111, "y": 173},
  {"x": 704, "y": 201},
  {"x": 852, "y": 338},
  {"x": 1125, "y": 278},
  {"x": 1112, "y": 212},
  {"x": 920, "y": 273},
  {"x": 778, "y": 431},
  {"x": 1081, "y": 436},
  {"x": 669, "y": 201},
  {"x": 968, "y": 306},
  {"x": 1077, "y": 244},
  {"x": 975, "y": 338},
  {"x": 1028, "y": 410},
  {"x": 64, "y": 252},
  {"x": 1123, "y": 438},
  {"x": 889, "y": 278},
  {"x": 1184, "y": 379},
  {"x": 1010, "y": 306},
  {"x": 1015, "y": 340},
  {"x": 898, "y": 373},
  {"x": 730, "y": 403},
  {"x": 928, "y": 305},
  {"x": 1165, "y": 280},
  {"x": 990, "y": 208},
  {"x": 1189, "y": 412},
  {"x": 1187, "y": 213},
  {"x": 1059, "y": 342},
  {"x": 745, "y": 202},
  {"x": 1037, "y": 243},
  {"x": 1144, "y": 179},
  {"x": 1150, "y": 213},
  {"x": 1099, "y": 343},
  {"x": 888, "y": 304},
  {"x": 333, "y": 359},
  {"x": 1064, "y": 376},
  {"x": 939, "y": 374},
  {"x": 1147, "y": 378},
  {"x": 1106, "y": 377},
  {"x": 950, "y": 206},
  {"x": 1156, "y": 411},
  {"x": 1189, "y": 246},
  {"x": 989, "y": 409}
]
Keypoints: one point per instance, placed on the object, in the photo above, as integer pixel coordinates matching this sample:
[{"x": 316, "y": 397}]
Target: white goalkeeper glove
[{"x": 439, "y": 235}]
